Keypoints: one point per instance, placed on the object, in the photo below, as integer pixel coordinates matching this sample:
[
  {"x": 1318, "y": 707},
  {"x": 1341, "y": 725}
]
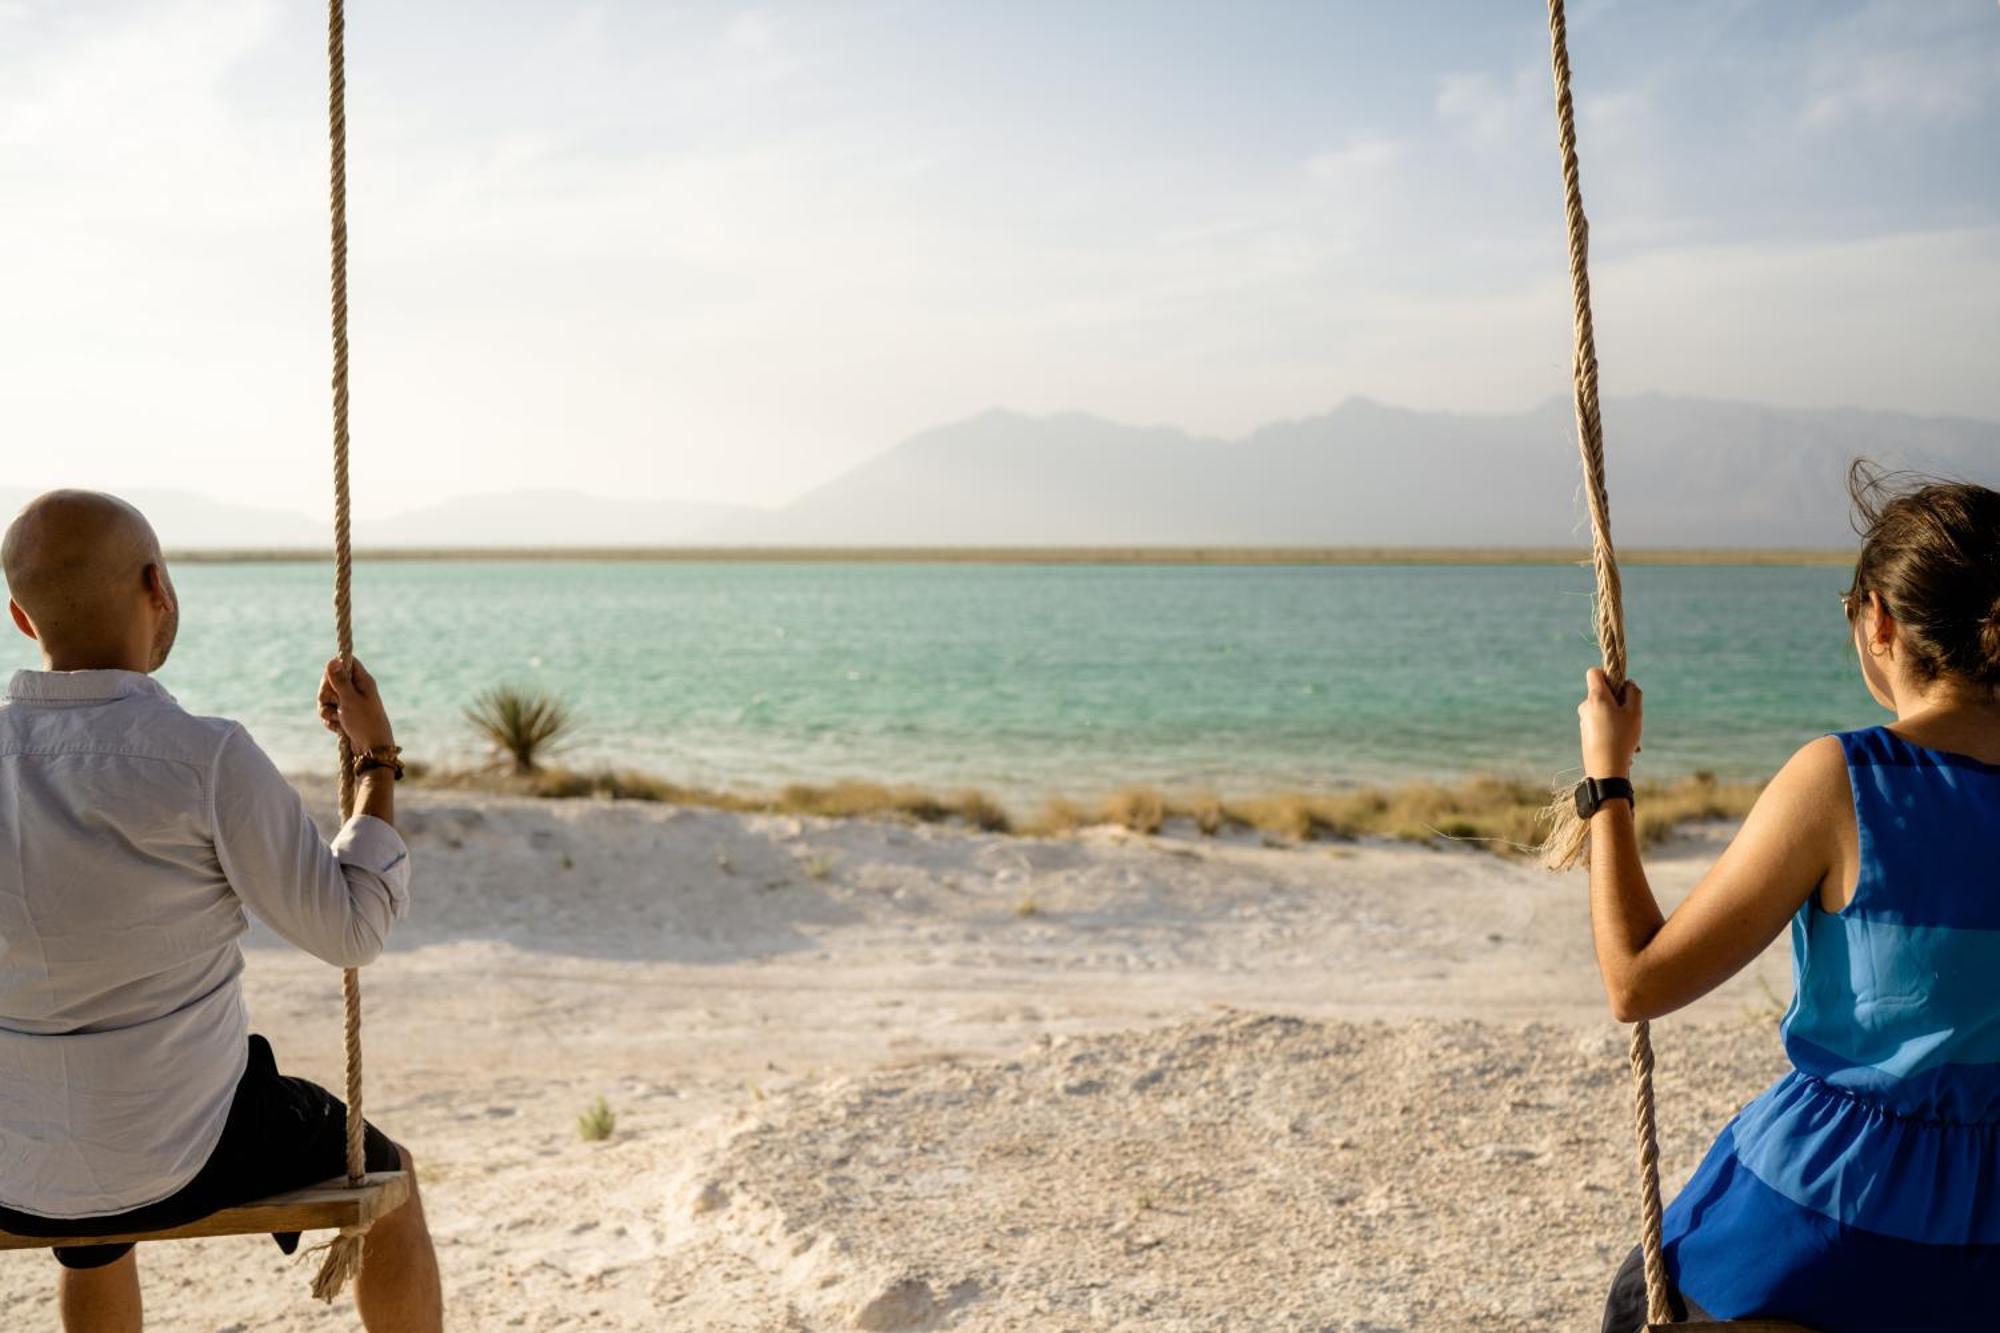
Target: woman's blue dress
[{"x": 1861, "y": 1192}]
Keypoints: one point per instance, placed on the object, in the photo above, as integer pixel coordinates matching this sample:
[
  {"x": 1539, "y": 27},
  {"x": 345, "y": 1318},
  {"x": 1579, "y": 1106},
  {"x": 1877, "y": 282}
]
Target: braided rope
[
  {"x": 343, "y": 1259},
  {"x": 1566, "y": 840}
]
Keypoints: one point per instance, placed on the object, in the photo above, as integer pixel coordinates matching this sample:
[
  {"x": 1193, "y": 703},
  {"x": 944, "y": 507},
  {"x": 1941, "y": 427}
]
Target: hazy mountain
[
  {"x": 517, "y": 518},
  {"x": 1683, "y": 473},
  {"x": 188, "y": 521}
]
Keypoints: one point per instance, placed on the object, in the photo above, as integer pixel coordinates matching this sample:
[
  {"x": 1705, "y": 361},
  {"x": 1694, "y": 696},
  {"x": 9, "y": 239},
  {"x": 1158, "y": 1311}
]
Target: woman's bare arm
[{"x": 1785, "y": 851}]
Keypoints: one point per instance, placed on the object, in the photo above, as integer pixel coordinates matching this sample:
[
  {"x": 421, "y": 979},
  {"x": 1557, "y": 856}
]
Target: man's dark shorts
[{"x": 282, "y": 1134}]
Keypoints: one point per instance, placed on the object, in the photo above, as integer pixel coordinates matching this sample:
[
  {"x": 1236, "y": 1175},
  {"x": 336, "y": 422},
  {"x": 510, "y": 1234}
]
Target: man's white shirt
[{"x": 133, "y": 835}]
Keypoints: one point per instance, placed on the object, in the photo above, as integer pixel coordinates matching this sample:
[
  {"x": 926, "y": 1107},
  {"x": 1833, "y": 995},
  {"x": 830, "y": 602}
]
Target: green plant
[
  {"x": 598, "y": 1123},
  {"x": 521, "y": 725}
]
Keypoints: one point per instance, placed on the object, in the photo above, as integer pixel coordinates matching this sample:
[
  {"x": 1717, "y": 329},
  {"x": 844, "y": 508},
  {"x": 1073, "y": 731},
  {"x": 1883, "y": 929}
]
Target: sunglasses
[{"x": 1856, "y": 601}]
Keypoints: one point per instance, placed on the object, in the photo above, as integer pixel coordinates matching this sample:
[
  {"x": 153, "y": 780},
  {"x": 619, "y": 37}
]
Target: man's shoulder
[
  {"x": 199, "y": 737},
  {"x": 146, "y": 726},
  {"x": 212, "y": 731}
]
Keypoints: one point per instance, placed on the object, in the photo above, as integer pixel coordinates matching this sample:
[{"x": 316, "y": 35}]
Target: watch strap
[{"x": 1592, "y": 793}]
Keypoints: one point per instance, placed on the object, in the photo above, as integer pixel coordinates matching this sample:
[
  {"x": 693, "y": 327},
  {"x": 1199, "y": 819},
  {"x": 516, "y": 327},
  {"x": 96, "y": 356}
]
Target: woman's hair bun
[{"x": 1989, "y": 642}]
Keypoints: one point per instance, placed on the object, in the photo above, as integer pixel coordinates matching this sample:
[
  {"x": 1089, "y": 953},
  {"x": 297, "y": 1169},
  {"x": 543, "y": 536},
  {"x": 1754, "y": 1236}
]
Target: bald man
[{"x": 134, "y": 837}]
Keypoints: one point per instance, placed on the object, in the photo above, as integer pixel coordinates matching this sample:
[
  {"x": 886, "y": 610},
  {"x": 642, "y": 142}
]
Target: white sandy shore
[{"x": 885, "y": 1077}]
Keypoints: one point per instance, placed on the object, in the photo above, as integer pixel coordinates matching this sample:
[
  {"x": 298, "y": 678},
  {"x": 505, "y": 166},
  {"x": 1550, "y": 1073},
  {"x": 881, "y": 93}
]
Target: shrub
[
  {"x": 1140, "y": 809},
  {"x": 1208, "y": 812},
  {"x": 982, "y": 812},
  {"x": 521, "y": 725},
  {"x": 598, "y": 1123},
  {"x": 1059, "y": 816}
]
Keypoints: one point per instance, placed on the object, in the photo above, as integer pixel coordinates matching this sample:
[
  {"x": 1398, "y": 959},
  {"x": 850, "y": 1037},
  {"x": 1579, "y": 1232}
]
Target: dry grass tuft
[
  {"x": 1209, "y": 814},
  {"x": 839, "y": 800},
  {"x": 1503, "y": 814},
  {"x": 982, "y": 812},
  {"x": 1058, "y": 816},
  {"x": 1140, "y": 809},
  {"x": 1295, "y": 815},
  {"x": 1698, "y": 799},
  {"x": 598, "y": 1123}
]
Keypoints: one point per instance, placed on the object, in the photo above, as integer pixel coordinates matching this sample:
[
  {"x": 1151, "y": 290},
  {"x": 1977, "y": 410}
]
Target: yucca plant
[{"x": 521, "y": 725}]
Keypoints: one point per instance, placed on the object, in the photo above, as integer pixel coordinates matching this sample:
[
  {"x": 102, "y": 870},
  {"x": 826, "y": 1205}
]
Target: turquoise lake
[{"x": 1032, "y": 680}]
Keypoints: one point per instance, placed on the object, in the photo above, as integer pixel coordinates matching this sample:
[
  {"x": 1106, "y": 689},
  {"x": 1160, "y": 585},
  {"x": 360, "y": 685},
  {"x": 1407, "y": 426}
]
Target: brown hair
[{"x": 1931, "y": 551}]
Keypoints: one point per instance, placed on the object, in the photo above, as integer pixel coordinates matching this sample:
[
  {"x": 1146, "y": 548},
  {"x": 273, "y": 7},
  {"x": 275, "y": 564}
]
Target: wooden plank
[
  {"x": 1731, "y": 1326},
  {"x": 326, "y": 1206}
]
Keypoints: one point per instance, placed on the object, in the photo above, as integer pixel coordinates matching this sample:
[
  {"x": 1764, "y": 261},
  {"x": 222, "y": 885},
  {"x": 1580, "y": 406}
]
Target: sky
[{"x": 723, "y": 252}]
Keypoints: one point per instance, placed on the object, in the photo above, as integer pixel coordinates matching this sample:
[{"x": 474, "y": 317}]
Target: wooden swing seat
[
  {"x": 327, "y": 1206},
  {"x": 1729, "y": 1325}
]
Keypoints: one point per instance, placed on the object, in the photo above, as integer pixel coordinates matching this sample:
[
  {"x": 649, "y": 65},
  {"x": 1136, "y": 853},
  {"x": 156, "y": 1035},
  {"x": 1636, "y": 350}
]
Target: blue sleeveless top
[{"x": 1861, "y": 1192}]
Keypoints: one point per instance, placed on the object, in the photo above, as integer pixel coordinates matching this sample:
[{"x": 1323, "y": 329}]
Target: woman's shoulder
[
  {"x": 1812, "y": 793},
  {"x": 1822, "y": 761}
]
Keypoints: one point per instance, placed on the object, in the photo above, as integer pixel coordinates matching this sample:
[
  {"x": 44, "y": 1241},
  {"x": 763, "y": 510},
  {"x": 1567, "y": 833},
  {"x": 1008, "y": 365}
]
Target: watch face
[{"x": 1585, "y": 807}]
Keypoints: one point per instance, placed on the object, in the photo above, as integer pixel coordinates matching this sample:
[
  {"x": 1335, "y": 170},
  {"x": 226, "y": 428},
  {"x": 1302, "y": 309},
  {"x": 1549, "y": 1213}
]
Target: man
[{"x": 133, "y": 836}]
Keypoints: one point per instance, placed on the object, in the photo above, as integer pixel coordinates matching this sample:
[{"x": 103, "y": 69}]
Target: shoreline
[
  {"x": 1219, "y": 556},
  {"x": 1500, "y": 815}
]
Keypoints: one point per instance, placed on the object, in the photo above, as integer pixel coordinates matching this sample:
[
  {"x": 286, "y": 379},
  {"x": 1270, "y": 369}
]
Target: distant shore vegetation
[
  {"x": 1063, "y": 555},
  {"x": 1501, "y": 815}
]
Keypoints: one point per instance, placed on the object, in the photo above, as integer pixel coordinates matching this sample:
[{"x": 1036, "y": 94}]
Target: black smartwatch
[{"x": 1592, "y": 793}]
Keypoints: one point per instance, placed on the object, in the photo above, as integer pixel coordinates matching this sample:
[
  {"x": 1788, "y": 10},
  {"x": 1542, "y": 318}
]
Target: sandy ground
[{"x": 882, "y": 1077}]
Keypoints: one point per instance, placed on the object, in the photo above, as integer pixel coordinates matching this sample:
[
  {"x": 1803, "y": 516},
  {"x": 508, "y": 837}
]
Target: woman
[{"x": 1861, "y": 1192}]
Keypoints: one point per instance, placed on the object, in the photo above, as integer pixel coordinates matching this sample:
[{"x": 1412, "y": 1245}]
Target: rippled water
[{"x": 1034, "y": 679}]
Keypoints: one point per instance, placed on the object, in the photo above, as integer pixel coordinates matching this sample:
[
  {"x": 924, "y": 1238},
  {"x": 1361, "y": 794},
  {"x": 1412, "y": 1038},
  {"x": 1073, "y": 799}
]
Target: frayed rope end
[
  {"x": 342, "y": 1263},
  {"x": 1568, "y": 835}
]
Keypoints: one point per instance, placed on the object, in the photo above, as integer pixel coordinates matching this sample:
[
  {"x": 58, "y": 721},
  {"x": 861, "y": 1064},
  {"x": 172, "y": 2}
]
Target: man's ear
[
  {"x": 155, "y": 577},
  {"x": 21, "y": 621}
]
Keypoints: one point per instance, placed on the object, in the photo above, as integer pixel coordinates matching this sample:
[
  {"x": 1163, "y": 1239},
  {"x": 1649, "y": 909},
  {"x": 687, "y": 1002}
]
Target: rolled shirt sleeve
[{"x": 335, "y": 901}]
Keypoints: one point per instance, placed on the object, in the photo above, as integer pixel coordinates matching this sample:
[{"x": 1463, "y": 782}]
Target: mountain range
[{"x": 1683, "y": 472}]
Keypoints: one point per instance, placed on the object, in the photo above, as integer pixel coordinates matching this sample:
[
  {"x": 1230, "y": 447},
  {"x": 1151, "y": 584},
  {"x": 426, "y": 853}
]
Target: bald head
[{"x": 86, "y": 576}]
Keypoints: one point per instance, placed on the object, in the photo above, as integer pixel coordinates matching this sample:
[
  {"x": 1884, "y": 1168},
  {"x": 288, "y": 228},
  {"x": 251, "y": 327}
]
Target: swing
[
  {"x": 352, "y": 1204},
  {"x": 1566, "y": 841}
]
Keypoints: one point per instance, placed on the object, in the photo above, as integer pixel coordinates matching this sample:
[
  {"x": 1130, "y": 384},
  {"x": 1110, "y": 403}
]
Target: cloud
[
  {"x": 1489, "y": 110},
  {"x": 753, "y": 30},
  {"x": 1922, "y": 64},
  {"x": 1359, "y": 160},
  {"x": 1882, "y": 321},
  {"x": 1874, "y": 86}
]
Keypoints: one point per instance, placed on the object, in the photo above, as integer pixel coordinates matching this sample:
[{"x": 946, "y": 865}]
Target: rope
[
  {"x": 343, "y": 1257},
  {"x": 1566, "y": 840}
]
